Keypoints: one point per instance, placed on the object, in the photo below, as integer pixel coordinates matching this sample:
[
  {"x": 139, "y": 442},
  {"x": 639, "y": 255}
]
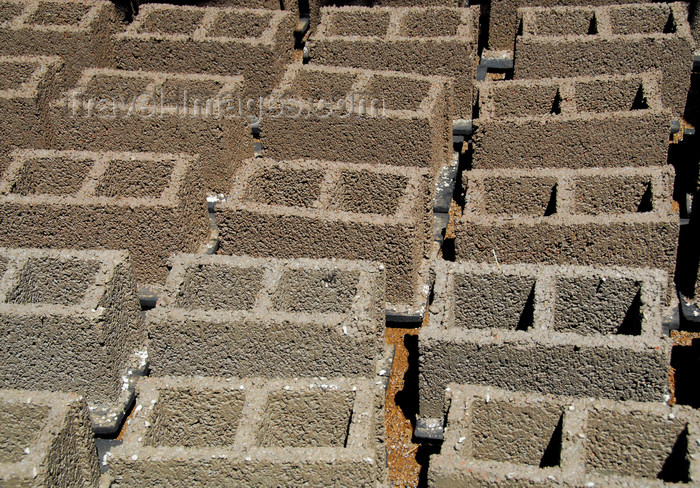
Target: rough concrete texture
[
  {"x": 694, "y": 19},
  {"x": 556, "y": 43},
  {"x": 46, "y": 440},
  {"x": 425, "y": 40},
  {"x": 500, "y": 438},
  {"x": 359, "y": 116},
  {"x": 317, "y": 209},
  {"x": 79, "y": 32},
  {"x": 117, "y": 110},
  {"x": 195, "y": 432},
  {"x": 71, "y": 321},
  {"x": 563, "y": 330},
  {"x": 151, "y": 204},
  {"x": 579, "y": 122},
  {"x": 241, "y": 316},
  {"x": 611, "y": 216},
  {"x": 254, "y": 43}
]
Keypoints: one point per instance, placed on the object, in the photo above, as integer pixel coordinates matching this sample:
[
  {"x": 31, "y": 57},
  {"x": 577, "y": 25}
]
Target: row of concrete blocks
[
  {"x": 499, "y": 438},
  {"x": 563, "y": 330}
]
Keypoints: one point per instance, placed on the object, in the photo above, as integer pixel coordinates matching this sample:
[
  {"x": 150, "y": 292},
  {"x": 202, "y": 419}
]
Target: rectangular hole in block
[
  {"x": 316, "y": 85},
  {"x": 361, "y": 23},
  {"x": 598, "y": 305},
  {"x": 9, "y": 10},
  {"x": 58, "y": 176},
  {"x": 397, "y": 92},
  {"x": 566, "y": 22},
  {"x": 135, "y": 178},
  {"x": 510, "y": 100},
  {"x": 637, "y": 444},
  {"x": 306, "y": 419},
  {"x": 60, "y": 13},
  {"x": 369, "y": 192},
  {"x": 494, "y": 300},
  {"x": 170, "y": 21},
  {"x": 219, "y": 287},
  {"x": 610, "y": 96},
  {"x": 316, "y": 291},
  {"x": 523, "y": 434},
  {"x": 53, "y": 281},
  {"x": 190, "y": 91},
  {"x": 240, "y": 25},
  {"x": 276, "y": 185},
  {"x": 20, "y": 427},
  {"x": 642, "y": 19},
  {"x": 596, "y": 195},
  {"x": 14, "y": 73},
  {"x": 195, "y": 418},
  {"x": 522, "y": 195},
  {"x": 430, "y": 22},
  {"x": 119, "y": 89}
]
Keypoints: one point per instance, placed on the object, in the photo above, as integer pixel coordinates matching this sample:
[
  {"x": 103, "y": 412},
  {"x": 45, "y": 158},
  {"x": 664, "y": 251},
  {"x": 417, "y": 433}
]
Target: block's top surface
[
  {"x": 222, "y": 25},
  {"x": 52, "y": 15},
  {"x": 38, "y": 281},
  {"x": 365, "y": 24},
  {"x": 589, "y": 24},
  {"x": 586, "y": 97},
  {"x": 26, "y": 76},
  {"x": 96, "y": 178},
  {"x": 369, "y": 193},
  {"x": 352, "y": 92},
  {"x": 287, "y": 420}
]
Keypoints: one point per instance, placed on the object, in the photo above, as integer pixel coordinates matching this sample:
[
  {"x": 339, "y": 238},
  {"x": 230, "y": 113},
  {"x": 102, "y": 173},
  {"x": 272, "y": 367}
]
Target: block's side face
[
  {"x": 306, "y": 419},
  {"x": 612, "y": 194},
  {"x": 218, "y": 287},
  {"x": 194, "y": 418},
  {"x": 354, "y": 21},
  {"x": 20, "y": 427},
  {"x": 493, "y": 300},
  {"x": 636, "y": 443},
  {"x": 598, "y": 305},
  {"x": 316, "y": 291},
  {"x": 513, "y": 195}
]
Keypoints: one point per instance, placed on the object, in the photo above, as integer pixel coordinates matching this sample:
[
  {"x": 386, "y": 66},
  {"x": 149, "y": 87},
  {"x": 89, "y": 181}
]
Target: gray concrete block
[
  {"x": 318, "y": 209},
  {"x": 500, "y": 438},
  {"x": 565, "y": 330},
  {"x": 151, "y": 204},
  {"x": 194, "y": 432},
  {"x": 241, "y": 316},
  {"x": 71, "y": 322},
  {"x": 590, "y": 121},
  {"x": 424, "y": 40},
  {"x": 359, "y": 116},
  {"x": 618, "y": 39},
  {"x": 46, "y": 440}
]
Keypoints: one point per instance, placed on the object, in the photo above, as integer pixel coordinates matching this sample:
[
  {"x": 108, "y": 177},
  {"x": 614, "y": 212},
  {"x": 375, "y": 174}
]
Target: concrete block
[
  {"x": 214, "y": 432},
  {"x": 359, "y": 116},
  {"x": 575, "y": 122},
  {"x": 254, "y": 43},
  {"x": 617, "y": 39},
  {"x": 327, "y": 210},
  {"x": 71, "y": 322},
  {"x": 117, "y": 110},
  {"x": 241, "y": 316},
  {"x": 46, "y": 440},
  {"x": 612, "y": 217},
  {"x": 564, "y": 330},
  {"x": 151, "y": 204},
  {"x": 500, "y": 438},
  {"x": 424, "y": 40}
]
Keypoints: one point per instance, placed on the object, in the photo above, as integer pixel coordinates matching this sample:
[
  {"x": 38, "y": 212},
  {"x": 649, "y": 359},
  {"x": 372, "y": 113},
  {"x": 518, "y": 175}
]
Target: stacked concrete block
[
  {"x": 359, "y": 116},
  {"x": 317, "y": 209},
  {"x": 213, "y": 432},
  {"x": 499, "y": 438},
  {"x": 425, "y": 40},
  {"x": 575, "y": 41},
  {"x": 240, "y": 316},
  {"x": 116, "y": 110},
  {"x": 151, "y": 204},
  {"x": 563, "y": 330},
  {"x": 46, "y": 440},
  {"x": 597, "y": 216},
  {"x": 575, "y": 122},
  {"x": 254, "y": 43},
  {"x": 71, "y": 321}
]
